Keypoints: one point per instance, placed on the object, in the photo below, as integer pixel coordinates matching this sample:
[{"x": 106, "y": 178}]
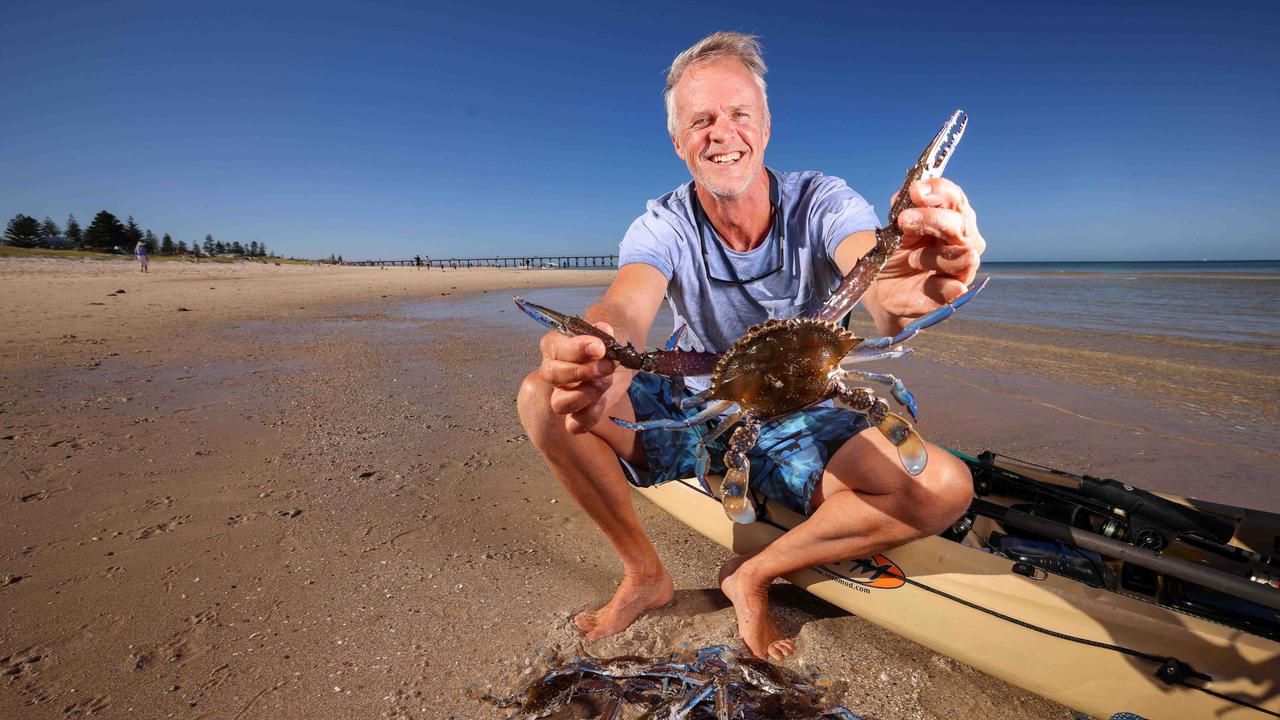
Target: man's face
[{"x": 721, "y": 127}]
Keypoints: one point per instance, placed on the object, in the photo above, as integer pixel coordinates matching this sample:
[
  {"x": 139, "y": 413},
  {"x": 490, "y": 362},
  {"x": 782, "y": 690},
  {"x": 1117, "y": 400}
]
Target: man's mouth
[{"x": 725, "y": 158}]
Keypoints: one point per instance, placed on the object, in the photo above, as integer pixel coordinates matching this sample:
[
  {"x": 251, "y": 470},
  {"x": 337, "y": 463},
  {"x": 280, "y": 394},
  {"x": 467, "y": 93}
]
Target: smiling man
[{"x": 740, "y": 244}]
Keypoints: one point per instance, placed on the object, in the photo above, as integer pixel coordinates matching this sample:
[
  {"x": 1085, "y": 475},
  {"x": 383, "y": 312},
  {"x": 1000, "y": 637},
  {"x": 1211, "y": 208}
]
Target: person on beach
[
  {"x": 140, "y": 251},
  {"x": 738, "y": 245}
]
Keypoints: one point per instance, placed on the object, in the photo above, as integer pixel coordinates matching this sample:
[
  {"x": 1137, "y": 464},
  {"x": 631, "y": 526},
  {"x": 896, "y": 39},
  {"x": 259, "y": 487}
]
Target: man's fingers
[
  {"x": 563, "y": 374},
  {"x": 568, "y": 401},
  {"x": 939, "y": 192},
  {"x": 953, "y": 260},
  {"x": 579, "y": 348},
  {"x": 585, "y": 419},
  {"x": 947, "y": 225},
  {"x": 942, "y": 289}
]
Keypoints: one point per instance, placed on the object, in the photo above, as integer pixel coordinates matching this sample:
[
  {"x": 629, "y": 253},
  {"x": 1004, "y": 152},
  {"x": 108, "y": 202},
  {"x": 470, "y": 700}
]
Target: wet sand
[{"x": 307, "y": 495}]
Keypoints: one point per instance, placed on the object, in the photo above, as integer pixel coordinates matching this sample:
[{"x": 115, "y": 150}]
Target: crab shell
[{"x": 781, "y": 366}]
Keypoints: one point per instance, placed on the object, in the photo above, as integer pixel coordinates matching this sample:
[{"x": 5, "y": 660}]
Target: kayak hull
[{"x": 1051, "y": 635}]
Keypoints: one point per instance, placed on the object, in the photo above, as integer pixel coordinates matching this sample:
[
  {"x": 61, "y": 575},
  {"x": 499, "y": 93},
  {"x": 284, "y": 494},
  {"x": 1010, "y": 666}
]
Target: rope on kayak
[{"x": 1171, "y": 671}]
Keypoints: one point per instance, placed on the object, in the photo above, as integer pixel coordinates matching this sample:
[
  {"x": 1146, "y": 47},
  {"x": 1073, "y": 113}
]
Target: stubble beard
[{"x": 715, "y": 187}]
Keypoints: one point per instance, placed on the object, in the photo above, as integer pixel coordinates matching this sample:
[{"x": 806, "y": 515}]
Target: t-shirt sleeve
[
  {"x": 650, "y": 240},
  {"x": 840, "y": 212}
]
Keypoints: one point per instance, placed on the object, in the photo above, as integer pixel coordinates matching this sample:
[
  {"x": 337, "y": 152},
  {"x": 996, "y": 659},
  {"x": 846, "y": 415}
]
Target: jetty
[{"x": 529, "y": 263}]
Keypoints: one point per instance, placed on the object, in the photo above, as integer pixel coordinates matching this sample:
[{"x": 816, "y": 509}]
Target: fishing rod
[{"x": 1122, "y": 522}]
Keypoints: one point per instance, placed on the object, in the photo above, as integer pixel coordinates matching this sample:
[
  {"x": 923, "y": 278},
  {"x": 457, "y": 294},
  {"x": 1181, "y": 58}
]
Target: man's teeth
[{"x": 728, "y": 158}]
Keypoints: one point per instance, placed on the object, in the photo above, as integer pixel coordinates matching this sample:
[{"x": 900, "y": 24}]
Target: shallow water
[{"x": 1164, "y": 340}]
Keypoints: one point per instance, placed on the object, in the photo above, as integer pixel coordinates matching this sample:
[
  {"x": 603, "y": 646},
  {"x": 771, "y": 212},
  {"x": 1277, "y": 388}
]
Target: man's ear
[{"x": 675, "y": 143}]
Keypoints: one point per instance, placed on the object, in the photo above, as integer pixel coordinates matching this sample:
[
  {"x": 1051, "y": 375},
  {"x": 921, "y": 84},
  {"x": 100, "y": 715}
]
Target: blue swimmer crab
[{"x": 781, "y": 366}]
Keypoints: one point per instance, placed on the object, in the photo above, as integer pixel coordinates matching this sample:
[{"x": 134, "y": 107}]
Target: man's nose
[{"x": 721, "y": 129}]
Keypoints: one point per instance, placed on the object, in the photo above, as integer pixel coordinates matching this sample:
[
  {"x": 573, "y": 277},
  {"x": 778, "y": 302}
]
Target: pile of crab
[{"x": 711, "y": 683}]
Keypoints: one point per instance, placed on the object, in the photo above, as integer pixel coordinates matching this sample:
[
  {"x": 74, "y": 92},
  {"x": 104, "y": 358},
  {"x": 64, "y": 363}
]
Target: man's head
[{"x": 718, "y": 111}]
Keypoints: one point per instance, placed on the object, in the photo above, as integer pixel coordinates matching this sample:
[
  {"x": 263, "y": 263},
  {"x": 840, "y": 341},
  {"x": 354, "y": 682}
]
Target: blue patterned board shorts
[{"x": 786, "y": 463}]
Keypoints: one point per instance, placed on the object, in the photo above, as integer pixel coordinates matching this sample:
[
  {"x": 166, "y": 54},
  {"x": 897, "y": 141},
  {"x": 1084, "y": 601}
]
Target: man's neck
[{"x": 741, "y": 221}]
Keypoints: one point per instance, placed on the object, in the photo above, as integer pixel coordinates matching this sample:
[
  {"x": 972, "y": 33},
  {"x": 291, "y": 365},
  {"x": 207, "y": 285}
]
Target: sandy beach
[{"x": 286, "y": 491}]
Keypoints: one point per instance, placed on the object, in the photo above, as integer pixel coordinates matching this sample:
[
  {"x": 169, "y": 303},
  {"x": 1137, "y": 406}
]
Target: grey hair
[{"x": 746, "y": 48}]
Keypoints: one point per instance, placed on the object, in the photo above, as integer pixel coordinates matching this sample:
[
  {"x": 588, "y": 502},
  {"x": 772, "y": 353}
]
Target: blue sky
[{"x": 1099, "y": 130}]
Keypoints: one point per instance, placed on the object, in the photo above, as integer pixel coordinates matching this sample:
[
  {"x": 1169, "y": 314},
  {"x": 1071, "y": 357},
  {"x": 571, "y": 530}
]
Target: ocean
[{"x": 1228, "y": 301}]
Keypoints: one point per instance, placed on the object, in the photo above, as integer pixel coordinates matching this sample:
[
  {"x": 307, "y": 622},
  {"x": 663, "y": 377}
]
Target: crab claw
[
  {"x": 674, "y": 340},
  {"x": 552, "y": 319},
  {"x": 911, "y": 450}
]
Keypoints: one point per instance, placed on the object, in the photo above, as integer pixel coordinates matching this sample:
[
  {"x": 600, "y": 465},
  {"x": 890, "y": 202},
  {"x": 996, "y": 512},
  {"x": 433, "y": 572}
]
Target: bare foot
[
  {"x": 750, "y": 598},
  {"x": 635, "y": 596}
]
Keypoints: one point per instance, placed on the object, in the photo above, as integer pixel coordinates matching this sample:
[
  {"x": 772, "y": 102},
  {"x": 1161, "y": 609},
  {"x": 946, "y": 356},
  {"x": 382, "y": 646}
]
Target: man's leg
[
  {"x": 865, "y": 504},
  {"x": 587, "y": 466}
]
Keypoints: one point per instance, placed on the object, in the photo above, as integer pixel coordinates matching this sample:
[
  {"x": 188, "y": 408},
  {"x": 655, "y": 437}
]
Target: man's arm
[
  {"x": 939, "y": 257},
  {"x": 586, "y": 383}
]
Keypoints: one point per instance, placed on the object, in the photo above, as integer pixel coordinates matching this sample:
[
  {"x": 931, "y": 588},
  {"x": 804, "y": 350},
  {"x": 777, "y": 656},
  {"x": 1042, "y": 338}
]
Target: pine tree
[
  {"x": 253, "y": 248},
  {"x": 23, "y": 231},
  {"x": 208, "y": 245},
  {"x": 132, "y": 234},
  {"x": 153, "y": 245},
  {"x": 262, "y": 250},
  {"x": 237, "y": 249},
  {"x": 166, "y": 245},
  {"x": 73, "y": 234},
  {"x": 49, "y": 229},
  {"x": 182, "y": 246},
  {"x": 104, "y": 232}
]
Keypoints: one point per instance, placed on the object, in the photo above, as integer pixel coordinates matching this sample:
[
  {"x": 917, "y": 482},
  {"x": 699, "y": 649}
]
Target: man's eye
[
  {"x": 741, "y": 114},
  {"x": 699, "y": 122}
]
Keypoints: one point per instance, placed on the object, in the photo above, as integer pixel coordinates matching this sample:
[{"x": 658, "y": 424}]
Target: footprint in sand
[{"x": 153, "y": 530}]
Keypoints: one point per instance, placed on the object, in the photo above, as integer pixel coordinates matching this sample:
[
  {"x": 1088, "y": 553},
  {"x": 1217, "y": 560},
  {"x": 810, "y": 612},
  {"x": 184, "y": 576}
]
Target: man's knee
[
  {"x": 950, "y": 496},
  {"x": 533, "y": 402}
]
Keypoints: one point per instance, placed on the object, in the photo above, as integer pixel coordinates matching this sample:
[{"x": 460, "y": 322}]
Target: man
[
  {"x": 738, "y": 245},
  {"x": 140, "y": 252}
]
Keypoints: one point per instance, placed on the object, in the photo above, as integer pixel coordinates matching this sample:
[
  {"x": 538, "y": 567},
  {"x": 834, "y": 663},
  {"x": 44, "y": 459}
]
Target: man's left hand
[{"x": 939, "y": 257}]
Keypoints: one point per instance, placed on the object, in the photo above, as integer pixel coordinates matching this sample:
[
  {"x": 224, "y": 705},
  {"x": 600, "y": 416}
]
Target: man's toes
[
  {"x": 585, "y": 621},
  {"x": 782, "y": 649}
]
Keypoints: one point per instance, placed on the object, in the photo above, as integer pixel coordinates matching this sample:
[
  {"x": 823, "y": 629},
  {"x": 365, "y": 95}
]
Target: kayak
[{"x": 1097, "y": 595}]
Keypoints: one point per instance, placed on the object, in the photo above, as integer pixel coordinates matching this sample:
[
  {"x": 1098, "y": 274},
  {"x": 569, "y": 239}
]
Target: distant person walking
[
  {"x": 417, "y": 261},
  {"x": 140, "y": 251}
]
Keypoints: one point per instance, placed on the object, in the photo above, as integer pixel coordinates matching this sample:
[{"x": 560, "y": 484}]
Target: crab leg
[
  {"x": 662, "y": 362},
  {"x": 710, "y": 413},
  {"x": 680, "y": 363},
  {"x": 694, "y": 400},
  {"x": 899, "y": 391},
  {"x": 893, "y": 354},
  {"x": 923, "y": 322},
  {"x": 889, "y": 238},
  {"x": 733, "y": 493},
  {"x": 702, "y": 457},
  {"x": 911, "y": 449}
]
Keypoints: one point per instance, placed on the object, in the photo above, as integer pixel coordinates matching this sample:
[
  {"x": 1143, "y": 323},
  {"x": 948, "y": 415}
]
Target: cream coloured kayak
[{"x": 1081, "y": 629}]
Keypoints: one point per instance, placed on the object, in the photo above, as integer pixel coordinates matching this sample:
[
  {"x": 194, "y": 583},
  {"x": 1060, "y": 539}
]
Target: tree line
[{"x": 106, "y": 232}]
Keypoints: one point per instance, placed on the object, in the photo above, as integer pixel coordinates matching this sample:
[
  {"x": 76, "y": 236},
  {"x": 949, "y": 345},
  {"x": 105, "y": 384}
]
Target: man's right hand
[{"x": 582, "y": 377}]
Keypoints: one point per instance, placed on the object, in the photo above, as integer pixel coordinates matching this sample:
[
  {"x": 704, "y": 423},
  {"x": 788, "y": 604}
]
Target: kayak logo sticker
[{"x": 876, "y": 571}]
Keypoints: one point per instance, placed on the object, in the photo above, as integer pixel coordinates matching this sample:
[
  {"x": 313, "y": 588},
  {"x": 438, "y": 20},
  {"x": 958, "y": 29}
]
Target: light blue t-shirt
[{"x": 819, "y": 211}]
